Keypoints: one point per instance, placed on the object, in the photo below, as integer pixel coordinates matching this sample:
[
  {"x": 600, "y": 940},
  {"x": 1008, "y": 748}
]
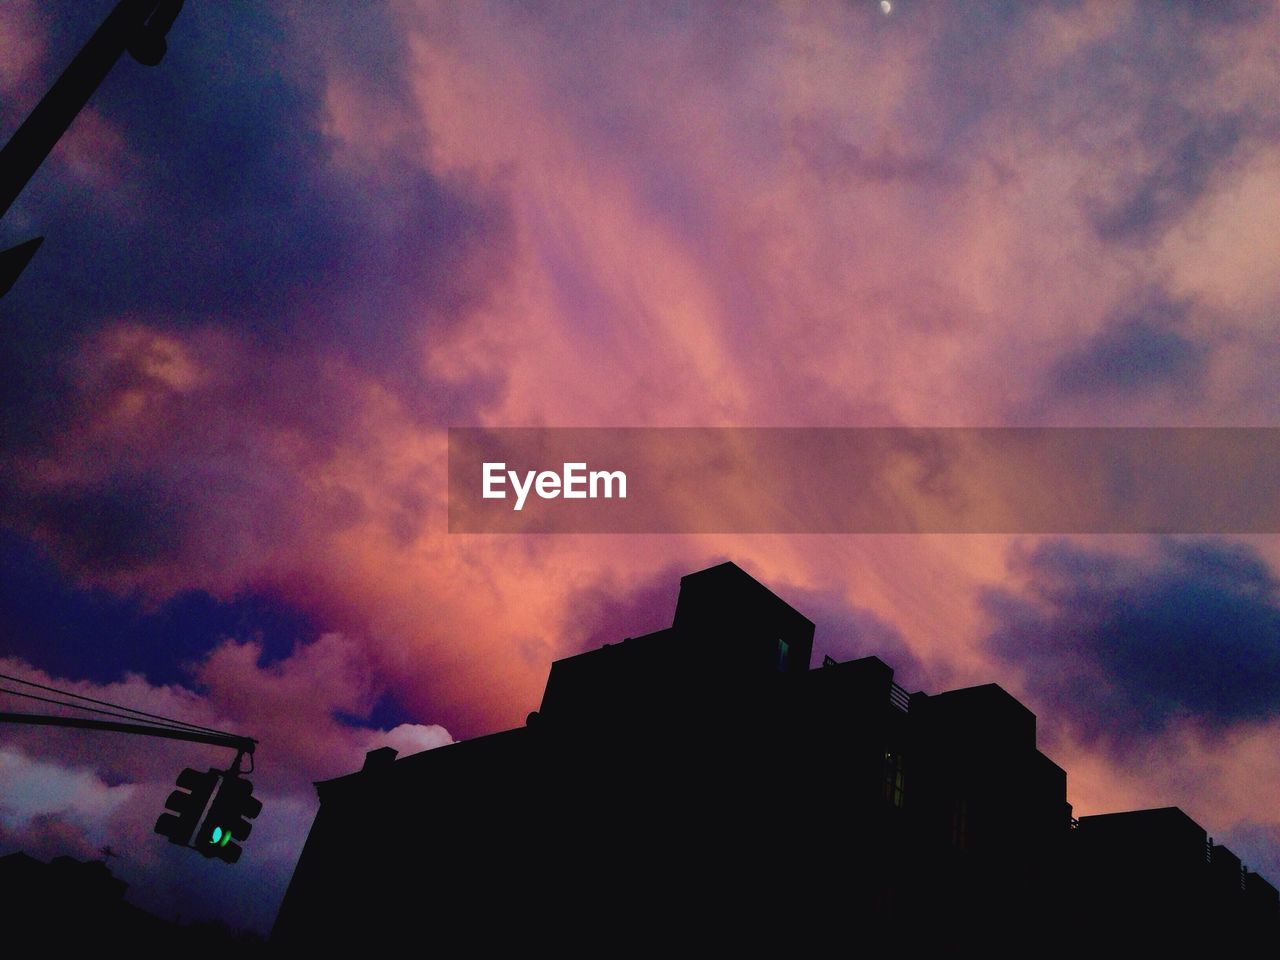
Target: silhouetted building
[
  {"x": 68, "y": 905},
  {"x": 702, "y": 785},
  {"x": 1158, "y": 870}
]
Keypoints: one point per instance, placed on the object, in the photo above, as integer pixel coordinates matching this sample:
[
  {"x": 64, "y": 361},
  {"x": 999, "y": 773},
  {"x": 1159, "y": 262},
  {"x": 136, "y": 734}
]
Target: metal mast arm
[{"x": 243, "y": 744}]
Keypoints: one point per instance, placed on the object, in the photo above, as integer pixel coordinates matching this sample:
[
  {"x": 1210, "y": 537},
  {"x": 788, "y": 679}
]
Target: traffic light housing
[
  {"x": 187, "y": 803},
  {"x": 228, "y": 819}
]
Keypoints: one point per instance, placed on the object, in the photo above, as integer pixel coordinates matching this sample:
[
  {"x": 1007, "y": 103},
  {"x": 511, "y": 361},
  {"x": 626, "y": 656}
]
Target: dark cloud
[
  {"x": 964, "y": 86},
  {"x": 221, "y": 191},
  {"x": 220, "y": 224},
  {"x": 1140, "y": 104},
  {"x": 1121, "y": 647},
  {"x": 386, "y": 713},
  {"x": 1136, "y": 103},
  {"x": 1137, "y": 349},
  {"x": 219, "y": 201},
  {"x": 846, "y": 631},
  {"x": 1231, "y": 12},
  {"x": 120, "y": 524},
  {"x": 88, "y": 633},
  {"x": 1188, "y": 152}
]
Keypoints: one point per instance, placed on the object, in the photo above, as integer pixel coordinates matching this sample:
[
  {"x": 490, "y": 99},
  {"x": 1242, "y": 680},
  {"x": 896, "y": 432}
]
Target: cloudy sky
[{"x": 278, "y": 266}]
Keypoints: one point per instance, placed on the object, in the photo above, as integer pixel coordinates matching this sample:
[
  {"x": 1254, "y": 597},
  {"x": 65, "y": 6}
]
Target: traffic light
[
  {"x": 228, "y": 819},
  {"x": 187, "y": 803}
]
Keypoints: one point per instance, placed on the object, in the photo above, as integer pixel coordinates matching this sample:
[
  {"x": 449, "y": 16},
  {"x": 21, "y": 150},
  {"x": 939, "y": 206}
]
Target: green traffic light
[
  {"x": 225, "y": 837},
  {"x": 217, "y": 835}
]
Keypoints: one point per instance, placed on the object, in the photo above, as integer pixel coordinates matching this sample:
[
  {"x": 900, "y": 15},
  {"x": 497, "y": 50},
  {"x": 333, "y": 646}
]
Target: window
[
  {"x": 893, "y": 778},
  {"x": 784, "y": 649}
]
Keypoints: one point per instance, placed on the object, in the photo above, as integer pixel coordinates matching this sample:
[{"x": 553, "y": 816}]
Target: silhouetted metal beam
[
  {"x": 32, "y": 141},
  {"x": 245, "y": 744},
  {"x": 14, "y": 260},
  {"x": 138, "y": 26}
]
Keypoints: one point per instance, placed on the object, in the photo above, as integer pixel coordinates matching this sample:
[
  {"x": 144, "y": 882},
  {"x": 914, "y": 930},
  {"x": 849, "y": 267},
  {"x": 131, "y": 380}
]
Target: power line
[
  {"x": 105, "y": 703},
  {"x": 190, "y": 728}
]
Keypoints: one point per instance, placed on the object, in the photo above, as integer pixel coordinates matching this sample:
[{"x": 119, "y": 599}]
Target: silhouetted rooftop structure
[{"x": 702, "y": 784}]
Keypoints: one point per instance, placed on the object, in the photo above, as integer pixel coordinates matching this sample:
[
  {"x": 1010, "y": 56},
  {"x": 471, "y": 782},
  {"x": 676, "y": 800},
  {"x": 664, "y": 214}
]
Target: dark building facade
[
  {"x": 703, "y": 782},
  {"x": 1158, "y": 870}
]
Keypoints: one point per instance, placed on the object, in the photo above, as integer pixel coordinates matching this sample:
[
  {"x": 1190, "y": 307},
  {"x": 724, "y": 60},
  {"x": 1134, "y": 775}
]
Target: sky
[{"x": 279, "y": 265}]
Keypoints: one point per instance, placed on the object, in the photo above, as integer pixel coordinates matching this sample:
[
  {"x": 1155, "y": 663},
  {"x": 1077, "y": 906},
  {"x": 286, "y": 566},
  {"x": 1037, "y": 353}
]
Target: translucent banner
[{"x": 864, "y": 480}]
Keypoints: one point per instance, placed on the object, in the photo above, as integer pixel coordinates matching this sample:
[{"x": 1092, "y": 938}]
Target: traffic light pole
[
  {"x": 138, "y": 26},
  {"x": 126, "y": 27},
  {"x": 242, "y": 744}
]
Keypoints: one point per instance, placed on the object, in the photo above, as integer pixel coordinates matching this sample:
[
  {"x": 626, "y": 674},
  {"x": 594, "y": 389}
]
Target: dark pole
[
  {"x": 28, "y": 147},
  {"x": 243, "y": 744},
  {"x": 138, "y": 26}
]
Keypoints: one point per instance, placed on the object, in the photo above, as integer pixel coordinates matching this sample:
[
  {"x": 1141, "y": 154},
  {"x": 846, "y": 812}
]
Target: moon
[{"x": 886, "y": 7}]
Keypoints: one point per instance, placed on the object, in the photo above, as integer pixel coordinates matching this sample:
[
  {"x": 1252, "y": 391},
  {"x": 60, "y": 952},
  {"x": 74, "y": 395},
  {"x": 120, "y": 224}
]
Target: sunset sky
[{"x": 282, "y": 263}]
